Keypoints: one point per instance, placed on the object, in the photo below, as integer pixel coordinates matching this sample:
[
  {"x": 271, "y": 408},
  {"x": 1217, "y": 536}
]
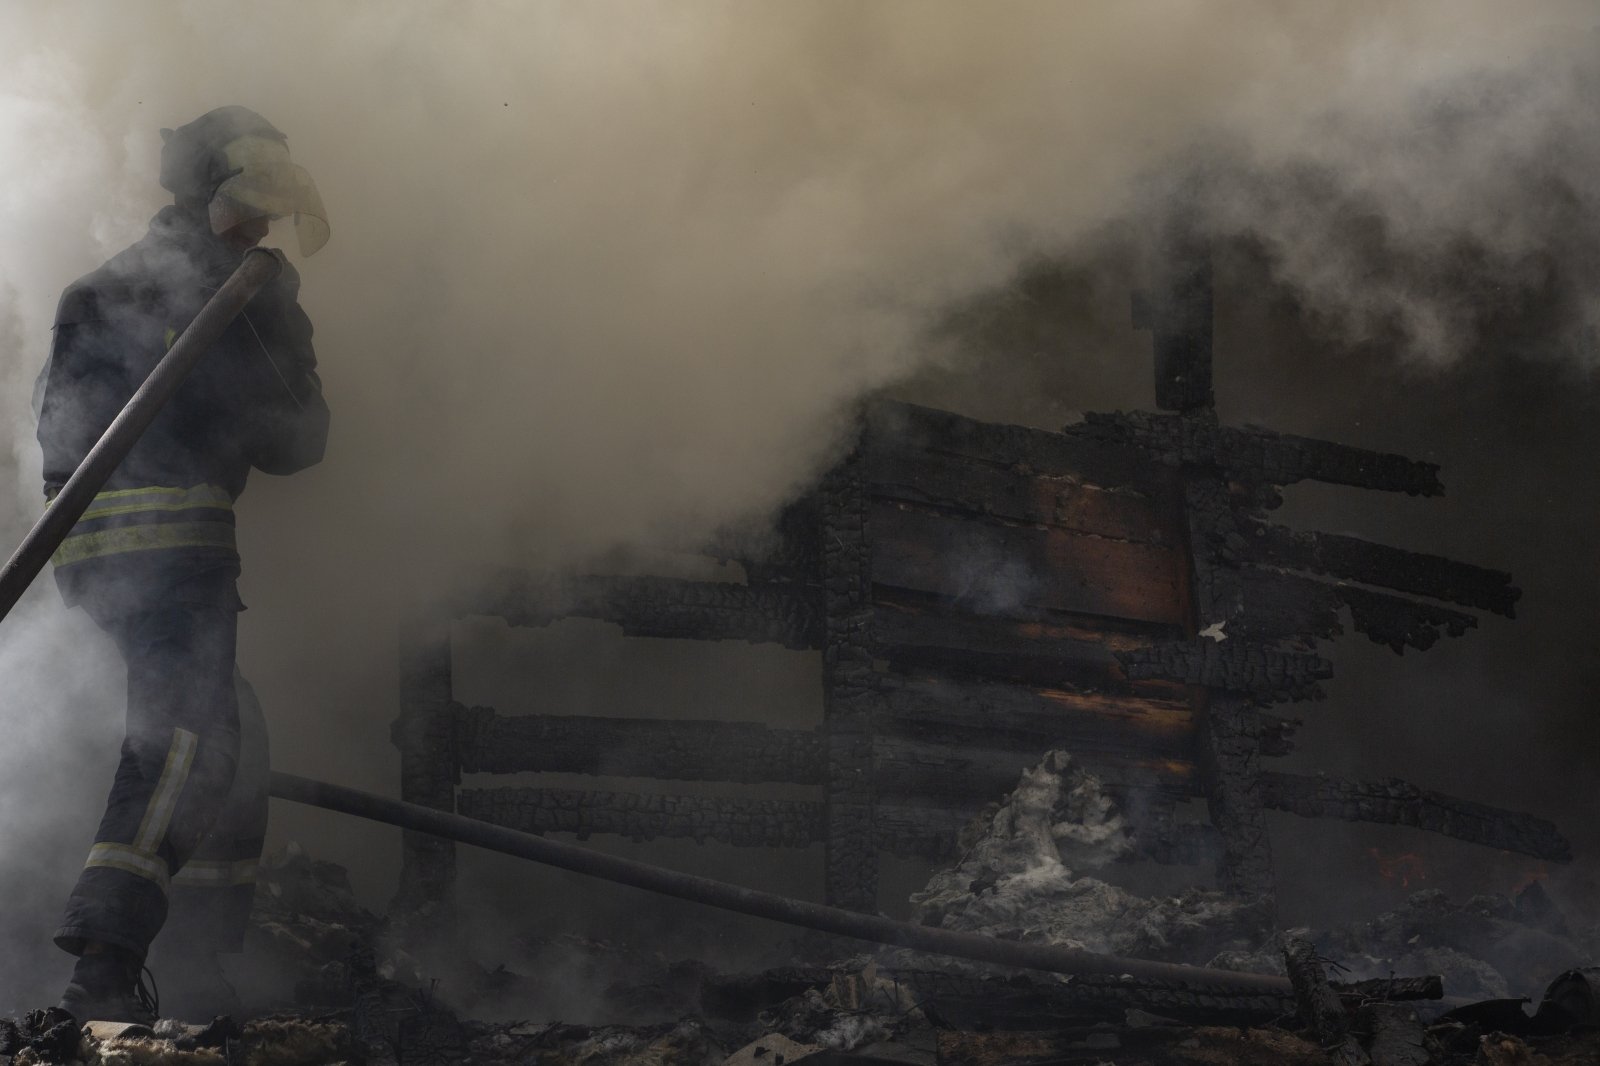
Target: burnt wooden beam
[
  {"x": 1282, "y": 606},
  {"x": 903, "y": 428},
  {"x": 964, "y": 712},
  {"x": 689, "y": 750},
  {"x": 658, "y": 607},
  {"x": 1354, "y": 559},
  {"x": 964, "y": 775},
  {"x": 424, "y": 733},
  {"x": 647, "y": 816},
  {"x": 1226, "y": 677},
  {"x": 995, "y": 568},
  {"x": 1395, "y": 802},
  {"x": 1260, "y": 671},
  {"x": 850, "y": 696},
  {"x": 1052, "y": 652},
  {"x": 1178, "y": 315},
  {"x": 1258, "y": 456},
  {"x": 982, "y": 489}
]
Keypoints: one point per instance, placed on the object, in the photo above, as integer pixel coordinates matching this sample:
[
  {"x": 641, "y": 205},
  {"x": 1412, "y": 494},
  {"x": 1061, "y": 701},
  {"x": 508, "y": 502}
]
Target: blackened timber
[
  {"x": 1283, "y": 606},
  {"x": 1178, "y": 315},
  {"x": 1229, "y": 747},
  {"x": 1378, "y": 564},
  {"x": 647, "y": 816},
  {"x": 689, "y": 750},
  {"x": 902, "y": 428},
  {"x": 661, "y": 607},
  {"x": 849, "y": 690},
  {"x": 989, "y": 567},
  {"x": 1258, "y": 456},
  {"x": 1043, "y": 652},
  {"x": 985, "y": 714},
  {"x": 1228, "y": 732},
  {"x": 981, "y": 489},
  {"x": 1395, "y": 802},
  {"x": 1258, "y": 670},
  {"x": 424, "y": 733},
  {"x": 964, "y": 775}
]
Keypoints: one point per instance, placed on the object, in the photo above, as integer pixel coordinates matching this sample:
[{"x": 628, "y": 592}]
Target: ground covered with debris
[{"x": 1489, "y": 981}]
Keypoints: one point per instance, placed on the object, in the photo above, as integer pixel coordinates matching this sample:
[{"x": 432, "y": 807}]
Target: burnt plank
[
  {"x": 424, "y": 733},
  {"x": 690, "y": 750},
  {"x": 1284, "y": 606},
  {"x": 1396, "y": 802},
  {"x": 992, "y": 569},
  {"x": 1258, "y": 670},
  {"x": 1258, "y": 456},
  {"x": 789, "y": 615},
  {"x": 967, "y": 712},
  {"x": 1378, "y": 564},
  {"x": 647, "y": 816},
  {"x": 849, "y": 689},
  {"x": 957, "y": 774},
  {"x": 907, "y": 427},
  {"x": 1063, "y": 500},
  {"x": 1033, "y": 651}
]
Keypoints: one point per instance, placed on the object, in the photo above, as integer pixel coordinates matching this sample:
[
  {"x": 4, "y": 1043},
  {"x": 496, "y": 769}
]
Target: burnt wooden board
[
  {"x": 981, "y": 488},
  {"x": 1044, "y": 653},
  {"x": 907, "y": 427},
  {"x": 993, "y": 569}
]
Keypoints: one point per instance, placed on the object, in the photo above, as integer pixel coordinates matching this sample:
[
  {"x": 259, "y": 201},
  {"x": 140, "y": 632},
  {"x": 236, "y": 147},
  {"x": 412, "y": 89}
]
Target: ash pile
[{"x": 1488, "y": 981}]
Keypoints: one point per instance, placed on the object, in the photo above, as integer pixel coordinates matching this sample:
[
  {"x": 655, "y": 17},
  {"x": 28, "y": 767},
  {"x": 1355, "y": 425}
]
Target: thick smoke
[{"x": 604, "y": 277}]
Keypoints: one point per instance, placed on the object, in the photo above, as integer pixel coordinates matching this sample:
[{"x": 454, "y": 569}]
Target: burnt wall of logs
[{"x": 980, "y": 594}]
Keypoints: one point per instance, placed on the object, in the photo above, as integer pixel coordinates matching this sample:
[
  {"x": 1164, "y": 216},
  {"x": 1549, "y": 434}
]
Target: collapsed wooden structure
[{"x": 980, "y": 594}]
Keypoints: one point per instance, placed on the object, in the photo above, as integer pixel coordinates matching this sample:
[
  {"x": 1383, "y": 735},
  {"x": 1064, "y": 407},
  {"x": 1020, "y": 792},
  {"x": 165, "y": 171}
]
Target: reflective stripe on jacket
[{"x": 150, "y": 519}]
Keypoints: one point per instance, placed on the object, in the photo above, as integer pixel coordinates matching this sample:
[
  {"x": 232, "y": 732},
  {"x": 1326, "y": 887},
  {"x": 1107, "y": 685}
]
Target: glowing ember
[{"x": 1405, "y": 867}]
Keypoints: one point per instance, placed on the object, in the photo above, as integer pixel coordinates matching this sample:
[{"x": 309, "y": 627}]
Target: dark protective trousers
[{"x": 186, "y": 819}]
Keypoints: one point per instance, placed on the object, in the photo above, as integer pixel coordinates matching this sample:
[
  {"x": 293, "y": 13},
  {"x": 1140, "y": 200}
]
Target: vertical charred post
[
  {"x": 429, "y": 766},
  {"x": 849, "y": 689},
  {"x": 1228, "y": 741},
  {"x": 1178, "y": 315},
  {"x": 1228, "y": 736}
]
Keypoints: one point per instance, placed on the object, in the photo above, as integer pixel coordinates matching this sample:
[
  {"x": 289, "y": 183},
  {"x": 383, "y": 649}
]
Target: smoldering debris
[{"x": 335, "y": 982}]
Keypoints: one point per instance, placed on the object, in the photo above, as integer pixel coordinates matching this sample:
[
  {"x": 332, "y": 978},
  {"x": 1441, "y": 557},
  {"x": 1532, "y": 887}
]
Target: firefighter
[{"x": 153, "y": 560}]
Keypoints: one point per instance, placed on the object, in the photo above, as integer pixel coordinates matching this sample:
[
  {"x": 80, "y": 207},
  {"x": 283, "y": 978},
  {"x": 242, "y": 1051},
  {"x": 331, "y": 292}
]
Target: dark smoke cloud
[{"x": 604, "y": 277}]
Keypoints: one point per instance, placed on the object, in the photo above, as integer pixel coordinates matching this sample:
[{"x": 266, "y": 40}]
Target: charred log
[
  {"x": 1257, "y": 670},
  {"x": 1395, "y": 802},
  {"x": 903, "y": 428},
  {"x": 1258, "y": 455},
  {"x": 424, "y": 733},
  {"x": 636, "y": 747},
  {"x": 660, "y": 607},
  {"x": 850, "y": 695},
  {"x": 1377, "y": 564}
]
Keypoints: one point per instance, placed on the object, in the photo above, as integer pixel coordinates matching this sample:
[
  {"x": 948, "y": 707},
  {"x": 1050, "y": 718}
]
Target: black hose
[
  {"x": 259, "y": 267},
  {"x": 749, "y": 901}
]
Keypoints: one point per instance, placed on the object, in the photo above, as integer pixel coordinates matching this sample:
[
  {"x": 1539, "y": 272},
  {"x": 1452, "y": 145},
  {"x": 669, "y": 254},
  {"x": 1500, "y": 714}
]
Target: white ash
[{"x": 1022, "y": 877}]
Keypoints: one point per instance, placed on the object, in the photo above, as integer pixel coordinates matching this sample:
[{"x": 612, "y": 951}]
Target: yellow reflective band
[
  {"x": 200, "y": 873},
  {"x": 158, "y": 816},
  {"x": 81, "y": 546},
  {"x": 130, "y": 860},
  {"x": 169, "y": 336},
  {"x": 134, "y": 501}
]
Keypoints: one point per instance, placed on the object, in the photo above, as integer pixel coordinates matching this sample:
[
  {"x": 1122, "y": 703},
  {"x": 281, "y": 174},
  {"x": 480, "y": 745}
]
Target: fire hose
[
  {"x": 873, "y": 927},
  {"x": 261, "y": 266},
  {"x": 61, "y": 514}
]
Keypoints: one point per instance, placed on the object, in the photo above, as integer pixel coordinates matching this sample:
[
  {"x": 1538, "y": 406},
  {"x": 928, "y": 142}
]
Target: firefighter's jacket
[{"x": 162, "y": 528}]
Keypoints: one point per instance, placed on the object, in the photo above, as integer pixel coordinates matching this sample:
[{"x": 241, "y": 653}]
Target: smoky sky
[{"x": 604, "y": 277}]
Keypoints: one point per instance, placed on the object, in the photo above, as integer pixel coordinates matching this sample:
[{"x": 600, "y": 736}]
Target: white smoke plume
[{"x": 607, "y": 275}]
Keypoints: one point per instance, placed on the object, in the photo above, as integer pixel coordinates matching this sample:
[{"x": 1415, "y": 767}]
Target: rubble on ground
[{"x": 335, "y": 983}]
